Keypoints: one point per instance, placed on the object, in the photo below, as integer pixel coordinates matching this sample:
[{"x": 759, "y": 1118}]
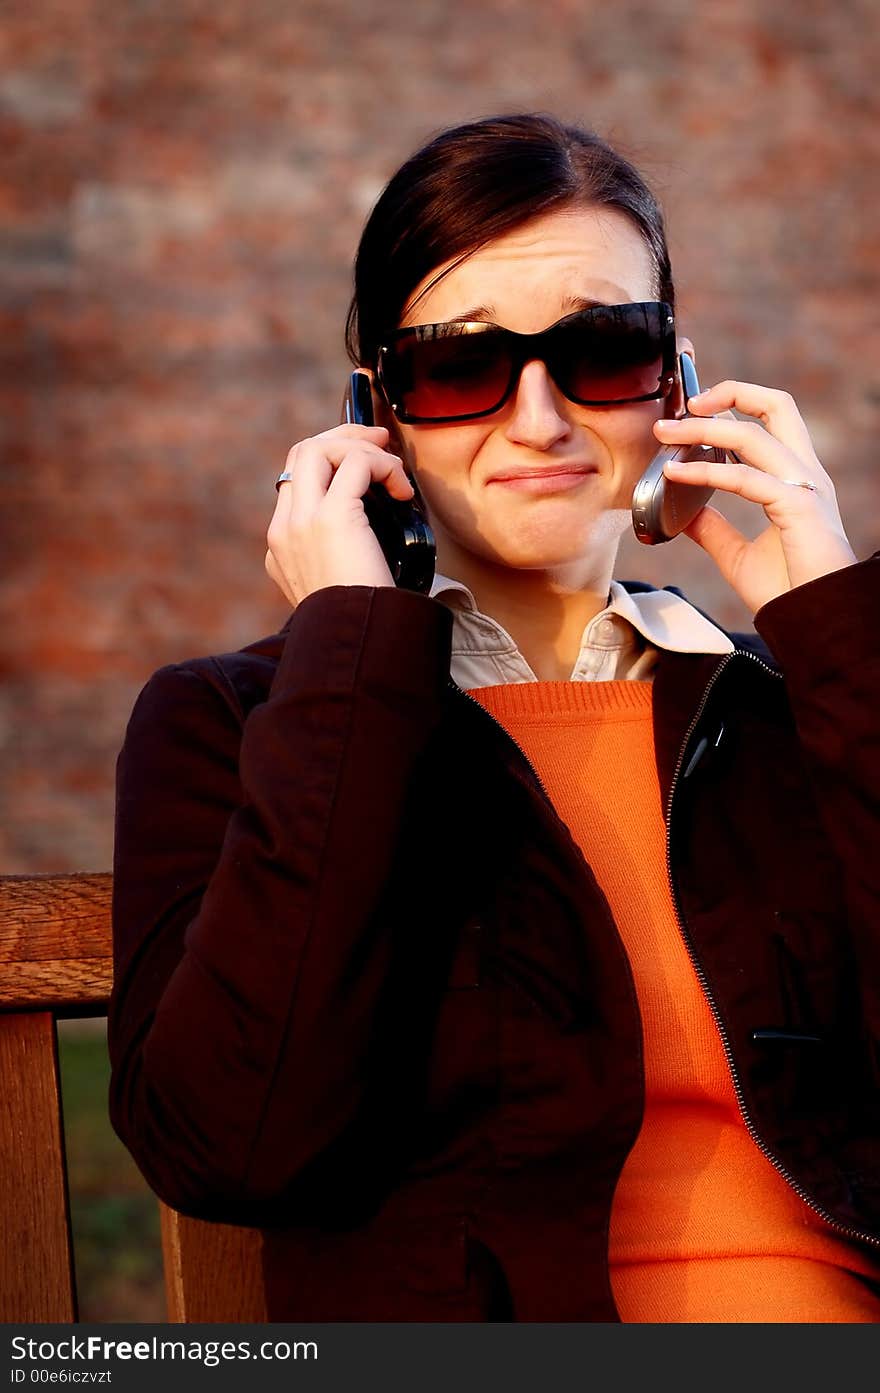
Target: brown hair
[{"x": 473, "y": 183}]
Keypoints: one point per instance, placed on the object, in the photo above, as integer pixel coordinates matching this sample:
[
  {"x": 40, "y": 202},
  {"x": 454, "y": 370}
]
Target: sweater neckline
[{"x": 548, "y": 699}]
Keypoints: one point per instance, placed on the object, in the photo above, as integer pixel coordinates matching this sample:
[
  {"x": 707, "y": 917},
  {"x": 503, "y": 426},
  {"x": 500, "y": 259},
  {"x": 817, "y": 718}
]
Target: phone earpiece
[
  {"x": 676, "y": 402},
  {"x": 688, "y": 380}
]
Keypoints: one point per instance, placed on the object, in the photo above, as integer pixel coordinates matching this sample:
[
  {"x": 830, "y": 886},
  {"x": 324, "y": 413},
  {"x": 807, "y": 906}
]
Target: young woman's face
[{"x": 525, "y": 281}]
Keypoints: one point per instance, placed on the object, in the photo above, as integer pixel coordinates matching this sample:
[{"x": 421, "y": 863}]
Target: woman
[{"x": 510, "y": 952}]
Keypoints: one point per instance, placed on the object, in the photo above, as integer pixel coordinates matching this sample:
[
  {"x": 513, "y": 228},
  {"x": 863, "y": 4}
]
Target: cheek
[
  {"x": 441, "y": 456},
  {"x": 629, "y": 436},
  {"x": 443, "y": 461}
]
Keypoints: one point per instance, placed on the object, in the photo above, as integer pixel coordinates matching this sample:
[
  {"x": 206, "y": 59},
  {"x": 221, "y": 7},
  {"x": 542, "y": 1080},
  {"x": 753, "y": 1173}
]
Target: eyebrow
[{"x": 487, "y": 313}]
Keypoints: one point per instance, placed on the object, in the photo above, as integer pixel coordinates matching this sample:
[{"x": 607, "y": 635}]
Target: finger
[
  {"x": 719, "y": 538},
  {"x": 349, "y": 430},
  {"x": 776, "y": 409},
  {"x": 742, "y": 479},
  {"x": 377, "y": 435},
  {"x": 359, "y": 469},
  {"x": 748, "y": 440},
  {"x": 315, "y": 461},
  {"x": 723, "y": 542}
]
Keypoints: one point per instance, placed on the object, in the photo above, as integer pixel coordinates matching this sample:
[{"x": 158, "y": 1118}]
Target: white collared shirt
[{"x": 621, "y": 642}]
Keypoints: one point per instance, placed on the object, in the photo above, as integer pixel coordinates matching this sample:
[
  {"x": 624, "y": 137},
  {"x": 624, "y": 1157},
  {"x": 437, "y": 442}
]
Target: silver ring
[
  {"x": 802, "y": 484},
  {"x": 283, "y": 478}
]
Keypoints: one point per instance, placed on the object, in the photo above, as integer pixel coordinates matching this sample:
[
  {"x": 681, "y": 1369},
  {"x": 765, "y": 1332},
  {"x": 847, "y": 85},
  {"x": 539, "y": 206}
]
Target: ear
[{"x": 684, "y": 345}]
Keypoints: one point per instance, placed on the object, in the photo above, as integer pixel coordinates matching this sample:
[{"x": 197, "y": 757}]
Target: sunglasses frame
[{"x": 524, "y": 348}]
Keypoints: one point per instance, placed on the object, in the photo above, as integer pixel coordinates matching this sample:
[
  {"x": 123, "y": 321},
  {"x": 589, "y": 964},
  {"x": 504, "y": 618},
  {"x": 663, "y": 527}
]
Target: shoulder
[{"x": 228, "y": 684}]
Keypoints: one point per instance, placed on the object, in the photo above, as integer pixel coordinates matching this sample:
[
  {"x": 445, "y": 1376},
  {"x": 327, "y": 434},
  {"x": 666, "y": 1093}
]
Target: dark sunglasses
[{"x": 602, "y": 356}]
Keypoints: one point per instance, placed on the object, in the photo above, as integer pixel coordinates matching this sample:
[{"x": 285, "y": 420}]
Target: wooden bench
[{"x": 56, "y": 962}]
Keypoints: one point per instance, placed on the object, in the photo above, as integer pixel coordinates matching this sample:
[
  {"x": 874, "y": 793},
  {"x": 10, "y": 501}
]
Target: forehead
[{"x": 526, "y": 279}]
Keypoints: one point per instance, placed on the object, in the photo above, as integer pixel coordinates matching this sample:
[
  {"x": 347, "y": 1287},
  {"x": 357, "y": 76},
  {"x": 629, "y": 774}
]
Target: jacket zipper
[
  {"x": 703, "y": 980},
  {"x": 685, "y": 933},
  {"x": 507, "y": 736}
]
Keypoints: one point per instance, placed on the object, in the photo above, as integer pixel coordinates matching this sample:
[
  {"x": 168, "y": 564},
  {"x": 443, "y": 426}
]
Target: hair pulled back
[{"x": 473, "y": 183}]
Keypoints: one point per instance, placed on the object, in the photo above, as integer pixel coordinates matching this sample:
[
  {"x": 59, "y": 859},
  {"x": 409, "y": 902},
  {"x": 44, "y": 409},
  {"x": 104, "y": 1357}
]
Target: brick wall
[{"x": 183, "y": 186}]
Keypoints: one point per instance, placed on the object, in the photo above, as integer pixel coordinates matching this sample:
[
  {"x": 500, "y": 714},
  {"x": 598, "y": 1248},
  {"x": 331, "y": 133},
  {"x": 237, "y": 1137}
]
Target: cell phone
[
  {"x": 401, "y": 525},
  {"x": 661, "y": 507}
]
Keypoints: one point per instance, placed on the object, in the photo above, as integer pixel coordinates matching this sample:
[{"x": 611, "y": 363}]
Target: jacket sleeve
[
  {"x": 247, "y": 867},
  {"x": 825, "y": 635}
]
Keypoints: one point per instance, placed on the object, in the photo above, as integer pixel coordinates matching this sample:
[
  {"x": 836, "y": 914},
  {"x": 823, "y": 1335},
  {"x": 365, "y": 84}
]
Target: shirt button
[{"x": 606, "y": 628}]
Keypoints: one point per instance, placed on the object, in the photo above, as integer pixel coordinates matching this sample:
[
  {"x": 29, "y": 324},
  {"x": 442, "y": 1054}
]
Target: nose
[{"x": 538, "y": 418}]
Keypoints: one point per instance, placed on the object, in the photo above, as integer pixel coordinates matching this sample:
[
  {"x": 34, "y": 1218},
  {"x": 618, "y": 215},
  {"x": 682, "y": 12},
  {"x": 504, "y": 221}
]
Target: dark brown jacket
[{"x": 370, "y": 998}]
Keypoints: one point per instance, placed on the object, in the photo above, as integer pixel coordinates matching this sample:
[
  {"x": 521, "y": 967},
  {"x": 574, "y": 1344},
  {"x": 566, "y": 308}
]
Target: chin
[{"x": 547, "y": 548}]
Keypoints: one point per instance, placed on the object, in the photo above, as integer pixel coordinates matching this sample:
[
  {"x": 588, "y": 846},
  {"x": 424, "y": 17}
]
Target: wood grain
[
  {"x": 56, "y": 959},
  {"x": 213, "y": 1272},
  {"x": 55, "y": 942},
  {"x": 36, "y": 1268}
]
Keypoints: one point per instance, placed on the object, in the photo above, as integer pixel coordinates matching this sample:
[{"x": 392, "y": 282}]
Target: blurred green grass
[{"x": 115, "y": 1216}]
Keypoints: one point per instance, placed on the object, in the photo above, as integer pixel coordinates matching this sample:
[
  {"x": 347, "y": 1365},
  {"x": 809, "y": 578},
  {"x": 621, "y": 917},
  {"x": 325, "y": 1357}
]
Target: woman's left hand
[{"x": 805, "y": 537}]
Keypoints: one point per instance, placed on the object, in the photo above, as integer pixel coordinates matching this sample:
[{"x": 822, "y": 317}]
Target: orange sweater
[{"x": 703, "y": 1227}]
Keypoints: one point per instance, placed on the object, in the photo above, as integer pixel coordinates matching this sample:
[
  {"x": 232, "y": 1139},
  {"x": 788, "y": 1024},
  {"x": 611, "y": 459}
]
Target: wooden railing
[{"x": 56, "y": 962}]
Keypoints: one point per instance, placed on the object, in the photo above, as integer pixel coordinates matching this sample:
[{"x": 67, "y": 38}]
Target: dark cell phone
[
  {"x": 401, "y": 526},
  {"x": 661, "y": 507}
]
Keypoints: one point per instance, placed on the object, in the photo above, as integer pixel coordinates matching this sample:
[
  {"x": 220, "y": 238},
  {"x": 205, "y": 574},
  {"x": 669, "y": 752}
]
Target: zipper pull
[{"x": 705, "y": 745}]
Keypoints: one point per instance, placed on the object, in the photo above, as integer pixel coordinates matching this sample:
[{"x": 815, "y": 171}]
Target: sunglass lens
[
  {"x": 452, "y": 374},
  {"x": 611, "y": 357}
]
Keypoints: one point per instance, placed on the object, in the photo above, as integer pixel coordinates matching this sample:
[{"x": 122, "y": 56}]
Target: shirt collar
[{"x": 664, "y": 619}]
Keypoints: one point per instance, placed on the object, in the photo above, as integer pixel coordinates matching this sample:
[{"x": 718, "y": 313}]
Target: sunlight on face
[{"x": 525, "y": 281}]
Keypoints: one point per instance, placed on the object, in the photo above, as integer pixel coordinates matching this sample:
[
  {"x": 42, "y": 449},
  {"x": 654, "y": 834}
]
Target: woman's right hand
[{"x": 320, "y": 534}]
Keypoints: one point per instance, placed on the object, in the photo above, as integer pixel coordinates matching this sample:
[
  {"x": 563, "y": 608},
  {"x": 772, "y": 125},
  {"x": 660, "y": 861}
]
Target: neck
[{"x": 544, "y": 611}]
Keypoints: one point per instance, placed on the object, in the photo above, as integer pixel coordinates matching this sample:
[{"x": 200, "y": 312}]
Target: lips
[{"x": 511, "y": 475}]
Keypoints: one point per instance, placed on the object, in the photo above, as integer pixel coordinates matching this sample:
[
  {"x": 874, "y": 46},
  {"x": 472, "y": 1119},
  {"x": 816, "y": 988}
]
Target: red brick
[{"x": 181, "y": 192}]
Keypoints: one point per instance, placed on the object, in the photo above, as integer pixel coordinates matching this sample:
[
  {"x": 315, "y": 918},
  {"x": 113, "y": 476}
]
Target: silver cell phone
[{"x": 661, "y": 507}]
